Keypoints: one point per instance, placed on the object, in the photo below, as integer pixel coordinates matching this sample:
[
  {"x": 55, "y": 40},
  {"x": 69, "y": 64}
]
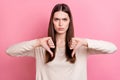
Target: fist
[
  {"x": 46, "y": 43},
  {"x": 76, "y": 43}
]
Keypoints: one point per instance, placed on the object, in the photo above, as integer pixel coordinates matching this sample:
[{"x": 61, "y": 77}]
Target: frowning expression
[{"x": 61, "y": 22}]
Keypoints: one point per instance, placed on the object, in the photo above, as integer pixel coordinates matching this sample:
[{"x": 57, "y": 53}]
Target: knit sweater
[{"x": 59, "y": 68}]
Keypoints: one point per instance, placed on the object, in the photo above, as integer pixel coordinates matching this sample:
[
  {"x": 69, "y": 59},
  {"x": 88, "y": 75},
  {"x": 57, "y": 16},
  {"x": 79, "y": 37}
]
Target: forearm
[
  {"x": 22, "y": 48},
  {"x": 100, "y": 46}
]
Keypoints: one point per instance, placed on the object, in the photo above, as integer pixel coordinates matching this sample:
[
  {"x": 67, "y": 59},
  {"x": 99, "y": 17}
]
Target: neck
[
  {"x": 60, "y": 37},
  {"x": 60, "y": 40}
]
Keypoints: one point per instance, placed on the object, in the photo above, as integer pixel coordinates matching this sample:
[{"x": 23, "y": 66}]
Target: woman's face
[{"x": 61, "y": 22}]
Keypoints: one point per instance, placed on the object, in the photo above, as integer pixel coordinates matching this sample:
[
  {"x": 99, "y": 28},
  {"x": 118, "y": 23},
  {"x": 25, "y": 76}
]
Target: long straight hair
[{"x": 69, "y": 33}]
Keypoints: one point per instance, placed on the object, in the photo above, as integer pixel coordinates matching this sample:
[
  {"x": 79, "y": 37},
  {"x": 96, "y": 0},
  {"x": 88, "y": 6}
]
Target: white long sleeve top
[{"x": 59, "y": 68}]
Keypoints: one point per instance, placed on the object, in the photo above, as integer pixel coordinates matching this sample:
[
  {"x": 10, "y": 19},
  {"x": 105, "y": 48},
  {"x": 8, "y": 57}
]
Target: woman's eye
[
  {"x": 56, "y": 19},
  {"x": 65, "y": 19}
]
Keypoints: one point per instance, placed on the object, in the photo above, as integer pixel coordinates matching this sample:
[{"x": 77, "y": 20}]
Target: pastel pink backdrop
[{"x": 28, "y": 19}]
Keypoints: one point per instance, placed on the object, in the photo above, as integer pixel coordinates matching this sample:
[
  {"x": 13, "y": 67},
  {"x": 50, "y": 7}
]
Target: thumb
[
  {"x": 73, "y": 52},
  {"x": 51, "y": 53}
]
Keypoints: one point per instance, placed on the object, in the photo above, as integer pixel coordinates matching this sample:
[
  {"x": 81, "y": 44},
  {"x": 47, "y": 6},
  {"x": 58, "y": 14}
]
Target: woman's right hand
[{"x": 46, "y": 43}]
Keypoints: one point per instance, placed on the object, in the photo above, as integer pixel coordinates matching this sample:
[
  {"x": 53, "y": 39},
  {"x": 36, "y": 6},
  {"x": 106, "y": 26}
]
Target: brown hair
[{"x": 69, "y": 33}]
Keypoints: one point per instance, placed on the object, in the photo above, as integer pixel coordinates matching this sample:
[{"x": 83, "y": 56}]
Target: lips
[{"x": 60, "y": 29}]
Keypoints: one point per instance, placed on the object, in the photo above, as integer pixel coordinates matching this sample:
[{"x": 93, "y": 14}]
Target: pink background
[{"x": 28, "y": 19}]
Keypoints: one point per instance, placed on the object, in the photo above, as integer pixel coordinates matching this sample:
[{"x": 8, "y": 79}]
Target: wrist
[
  {"x": 85, "y": 43},
  {"x": 38, "y": 42}
]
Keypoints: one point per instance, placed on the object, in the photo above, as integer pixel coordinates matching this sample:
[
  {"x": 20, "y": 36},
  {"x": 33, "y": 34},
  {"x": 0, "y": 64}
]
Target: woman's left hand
[{"x": 75, "y": 43}]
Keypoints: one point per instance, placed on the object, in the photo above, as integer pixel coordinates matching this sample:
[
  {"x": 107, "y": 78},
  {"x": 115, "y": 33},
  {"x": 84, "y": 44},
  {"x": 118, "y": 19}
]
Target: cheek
[
  {"x": 67, "y": 25},
  {"x": 55, "y": 24}
]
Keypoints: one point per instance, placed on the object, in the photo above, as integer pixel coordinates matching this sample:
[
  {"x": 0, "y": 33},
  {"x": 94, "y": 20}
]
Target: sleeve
[
  {"x": 25, "y": 48},
  {"x": 100, "y": 46}
]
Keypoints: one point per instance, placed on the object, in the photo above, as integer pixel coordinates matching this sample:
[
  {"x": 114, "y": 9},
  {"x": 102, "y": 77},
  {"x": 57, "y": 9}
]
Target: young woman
[{"x": 61, "y": 56}]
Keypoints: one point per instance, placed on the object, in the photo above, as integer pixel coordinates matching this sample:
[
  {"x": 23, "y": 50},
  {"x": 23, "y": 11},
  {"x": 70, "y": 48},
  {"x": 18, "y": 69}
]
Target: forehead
[{"x": 60, "y": 14}]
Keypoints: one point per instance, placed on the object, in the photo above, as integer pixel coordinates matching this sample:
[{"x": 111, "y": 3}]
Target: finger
[
  {"x": 72, "y": 45},
  {"x": 48, "y": 49},
  {"x": 47, "y": 38},
  {"x": 75, "y": 43},
  {"x": 75, "y": 49},
  {"x": 50, "y": 41},
  {"x": 72, "y": 41},
  {"x": 51, "y": 44},
  {"x": 51, "y": 53},
  {"x": 73, "y": 53}
]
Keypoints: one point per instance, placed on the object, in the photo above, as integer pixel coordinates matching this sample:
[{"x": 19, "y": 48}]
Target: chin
[{"x": 61, "y": 32}]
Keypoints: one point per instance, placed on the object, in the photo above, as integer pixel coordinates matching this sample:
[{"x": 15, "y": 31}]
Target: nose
[{"x": 60, "y": 23}]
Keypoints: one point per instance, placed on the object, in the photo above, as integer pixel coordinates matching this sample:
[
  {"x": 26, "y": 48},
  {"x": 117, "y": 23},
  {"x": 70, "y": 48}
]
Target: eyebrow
[{"x": 59, "y": 18}]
